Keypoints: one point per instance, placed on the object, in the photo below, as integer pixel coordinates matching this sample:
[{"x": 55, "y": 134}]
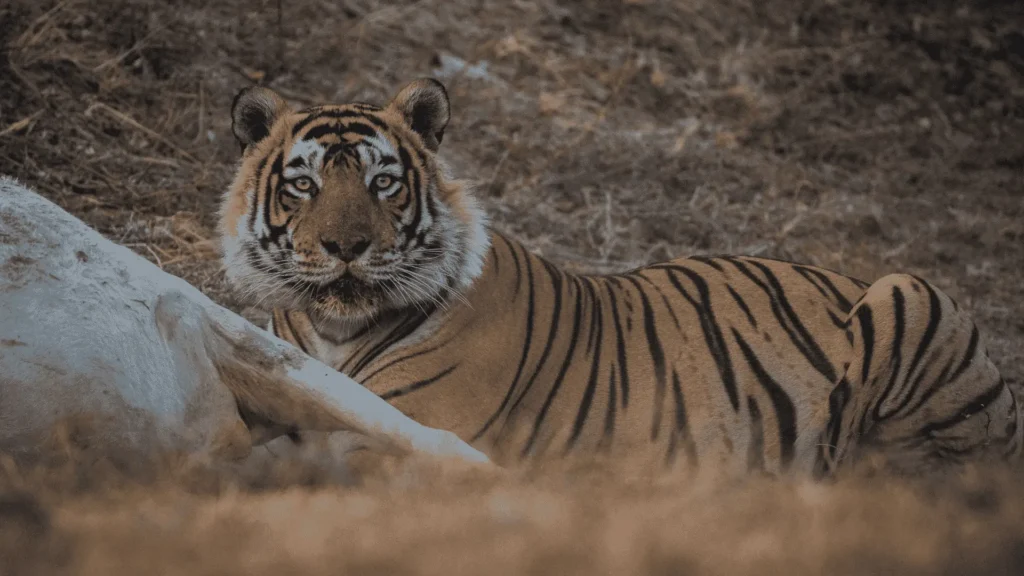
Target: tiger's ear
[
  {"x": 253, "y": 114},
  {"x": 424, "y": 105}
]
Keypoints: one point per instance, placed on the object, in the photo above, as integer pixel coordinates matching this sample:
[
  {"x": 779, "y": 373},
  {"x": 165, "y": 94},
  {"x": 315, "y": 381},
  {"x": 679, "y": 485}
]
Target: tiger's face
[{"x": 345, "y": 210}]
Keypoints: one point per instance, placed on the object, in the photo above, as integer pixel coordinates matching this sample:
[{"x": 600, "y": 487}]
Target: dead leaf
[{"x": 254, "y": 75}]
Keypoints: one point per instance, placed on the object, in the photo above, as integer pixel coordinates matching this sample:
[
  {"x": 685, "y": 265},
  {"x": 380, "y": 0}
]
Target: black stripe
[
  {"x": 515, "y": 260},
  {"x": 743, "y": 305},
  {"x": 354, "y": 127},
  {"x": 320, "y": 130},
  {"x": 934, "y": 317},
  {"x": 972, "y": 348},
  {"x": 399, "y": 333},
  {"x": 342, "y": 129},
  {"x": 493, "y": 252},
  {"x": 837, "y": 400},
  {"x": 657, "y": 357},
  {"x": 415, "y": 192},
  {"x": 594, "y": 341},
  {"x": 341, "y": 154},
  {"x": 555, "y": 276},
  {"x": 573, "y": 341},
  {"x": 785, "y": 411},
  {"x": 620, "y": 346},
  {"x": 752, "y": 259},
  {"x": 664, "y": 299},
  {"x": 942, "y": 381},
  {"x": 321, "y": 114},
  {"x": 939, "y": 383},
  {"x": 609, "y": 415},
  {"x": 895, "y": 353},
  {"x": 842, "y": 300},
  {"x": 417, "y": 385},
  {"x": 276, "y": 232},
  {"x": 280, "y": 326},
  {"x": 430, "y": 202},
  {"x": 402, "y": 329},
  {"x": 809, "y": 347},
  {"x": 755, "y": 451},
  {"x": 838, "y": 322},
  {"x": 787, "y": 317},
  {"x": 682, "y": 424},
  {"x": 336, "y": 114},
  {"x": 806, "y": 276},
  {"x": 357, "y": 353},
  {"x": 303, "y": 345},
  {"x": 256, "y": 192},
  {"x": 369, "y": 377},
  {"x": 591, "y": 298},
  {"x": 709, "y": 326},
  {"x": 867, "y": 331},
  {"x": 973, "y": 407},
  {"x": 528, "y": 340},
  {"x": 269, "y": 187}
]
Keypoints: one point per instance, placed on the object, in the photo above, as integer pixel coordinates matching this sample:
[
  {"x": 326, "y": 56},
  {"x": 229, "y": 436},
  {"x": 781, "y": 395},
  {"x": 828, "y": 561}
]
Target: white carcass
[{"x": 90, "y": 329}]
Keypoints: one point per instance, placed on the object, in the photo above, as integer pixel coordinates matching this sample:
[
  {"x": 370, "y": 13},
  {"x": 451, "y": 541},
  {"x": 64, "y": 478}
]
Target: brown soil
[{"x": 868, "y": 137}]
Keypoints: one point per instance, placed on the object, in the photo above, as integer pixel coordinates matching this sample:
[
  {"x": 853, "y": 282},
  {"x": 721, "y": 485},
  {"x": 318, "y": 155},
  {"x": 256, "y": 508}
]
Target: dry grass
[{"x": 864, "y": 136}]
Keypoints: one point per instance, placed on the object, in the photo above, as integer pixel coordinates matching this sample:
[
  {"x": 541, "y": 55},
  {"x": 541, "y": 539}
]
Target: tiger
[{"x": 345, "y": 224}]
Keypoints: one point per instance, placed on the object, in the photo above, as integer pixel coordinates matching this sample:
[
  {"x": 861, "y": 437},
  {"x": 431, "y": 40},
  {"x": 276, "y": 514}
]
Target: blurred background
[{"x": 864, "y": 136}]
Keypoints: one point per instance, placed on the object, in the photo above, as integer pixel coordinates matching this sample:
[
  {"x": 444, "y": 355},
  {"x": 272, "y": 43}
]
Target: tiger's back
[{"x": 727, "y": 360}]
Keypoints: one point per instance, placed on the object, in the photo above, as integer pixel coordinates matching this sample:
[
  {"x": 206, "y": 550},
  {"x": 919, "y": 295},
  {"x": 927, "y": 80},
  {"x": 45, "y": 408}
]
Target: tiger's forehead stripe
[
  {"x": 323, "y": 114},
  {"x": 339, "y": 114},
  {"x": 340, "y": 137},
  {"x": 318, "y": 131}
]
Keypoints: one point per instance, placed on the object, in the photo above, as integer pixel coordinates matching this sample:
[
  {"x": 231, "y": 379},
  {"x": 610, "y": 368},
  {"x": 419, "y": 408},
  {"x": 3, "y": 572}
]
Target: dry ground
[{"x": 867, "y": 136}]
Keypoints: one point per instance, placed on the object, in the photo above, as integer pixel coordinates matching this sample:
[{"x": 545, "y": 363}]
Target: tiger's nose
[{"x": 346, "y": 251}]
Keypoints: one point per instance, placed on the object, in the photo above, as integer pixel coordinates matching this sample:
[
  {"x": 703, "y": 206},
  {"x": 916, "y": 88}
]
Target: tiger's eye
[
  {"x": 303, "y": 184},
  {"x": 382, "y": 181}
]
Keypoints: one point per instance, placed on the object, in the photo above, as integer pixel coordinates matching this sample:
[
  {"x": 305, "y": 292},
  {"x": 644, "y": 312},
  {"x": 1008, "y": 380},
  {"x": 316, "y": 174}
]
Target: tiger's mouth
[
  {"x": 347, "y": 289},
  {"x": 350, "y": 295}
]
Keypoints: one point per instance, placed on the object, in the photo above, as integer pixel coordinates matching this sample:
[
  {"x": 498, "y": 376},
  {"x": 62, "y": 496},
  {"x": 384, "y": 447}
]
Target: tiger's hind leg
[{"x": 918, "y": 389}]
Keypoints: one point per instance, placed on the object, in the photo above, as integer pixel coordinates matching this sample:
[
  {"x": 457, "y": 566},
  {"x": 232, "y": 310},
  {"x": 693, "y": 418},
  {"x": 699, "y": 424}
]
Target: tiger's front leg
[{"x": 919, "y": 389}]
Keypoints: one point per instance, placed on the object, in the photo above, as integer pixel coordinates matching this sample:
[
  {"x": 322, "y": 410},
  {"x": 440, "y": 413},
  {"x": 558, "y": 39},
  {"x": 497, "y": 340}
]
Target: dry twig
[{"x": 124, "y": 118}]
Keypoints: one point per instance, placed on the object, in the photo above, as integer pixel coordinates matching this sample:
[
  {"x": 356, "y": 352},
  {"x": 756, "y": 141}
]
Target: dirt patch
[
  {"x": 12, "y": 229},
  {"x": 19, "y": 270},
  {"x": 867, "y": 137}
]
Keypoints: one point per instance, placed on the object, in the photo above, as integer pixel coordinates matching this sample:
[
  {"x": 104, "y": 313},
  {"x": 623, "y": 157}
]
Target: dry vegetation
[{"x": 863, "y": 136}]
